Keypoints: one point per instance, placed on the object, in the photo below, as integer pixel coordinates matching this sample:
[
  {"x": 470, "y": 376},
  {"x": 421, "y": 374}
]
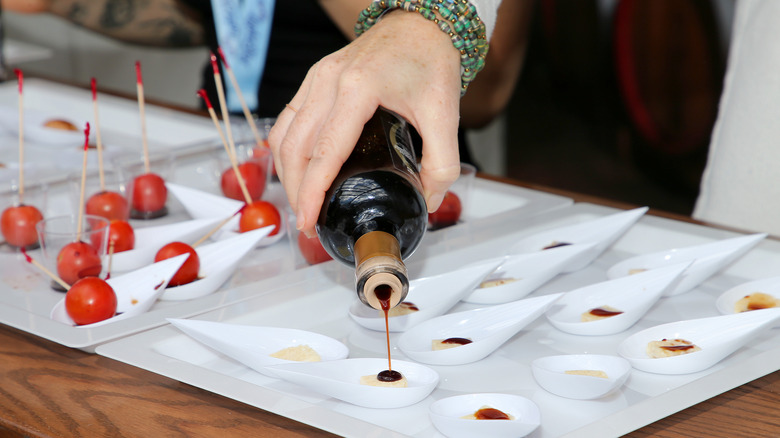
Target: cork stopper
[{"x": 378, "y": 263}]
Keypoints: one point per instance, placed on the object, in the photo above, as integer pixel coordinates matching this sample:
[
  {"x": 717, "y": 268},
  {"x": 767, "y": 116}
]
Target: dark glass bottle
[{"x": 374, "y": 215}]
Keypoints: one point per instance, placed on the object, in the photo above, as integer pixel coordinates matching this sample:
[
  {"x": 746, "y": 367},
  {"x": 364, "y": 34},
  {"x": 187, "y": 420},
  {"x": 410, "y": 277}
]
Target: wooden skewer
[
  {"x": 231, "y": 158},
  {"x": 97, "y": 136},
  {"x": 20, "y": 80},
  {"x": 44, "y": 269},
  {"x": 248, "y": 114},
  {"x": 223, "y": 106},
  {"x": 216, "y": 228},
  {"x": 141, "y": 108},
  {"x": 79, "y": 224}
]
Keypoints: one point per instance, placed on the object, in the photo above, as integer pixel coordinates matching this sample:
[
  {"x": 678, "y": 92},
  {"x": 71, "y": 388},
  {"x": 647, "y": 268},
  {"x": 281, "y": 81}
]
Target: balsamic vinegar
[{"x": 374, "y": 215}]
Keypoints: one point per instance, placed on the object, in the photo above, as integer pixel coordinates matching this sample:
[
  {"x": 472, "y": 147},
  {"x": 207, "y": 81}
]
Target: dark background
[{"x": 620, "y": 106}]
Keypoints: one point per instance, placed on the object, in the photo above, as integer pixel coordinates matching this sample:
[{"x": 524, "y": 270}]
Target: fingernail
[
  {"x": 434, "y": 200},
  {"x": 300, "y": 222},
  {"x": 309, "y": 234}
]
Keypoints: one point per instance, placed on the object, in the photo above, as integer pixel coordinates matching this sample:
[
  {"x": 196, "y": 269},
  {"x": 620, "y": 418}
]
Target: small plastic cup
[
  {"x": 18, "y": 228},
  {"x": 108, "y": 199},
  {"x": 145, "y": 188},
  {"x": 57, "y": 232},
  {"x": 254, "y": 163}
]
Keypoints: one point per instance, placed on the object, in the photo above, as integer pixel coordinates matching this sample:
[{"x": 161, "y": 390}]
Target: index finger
[{"x": 334, "y": 145}]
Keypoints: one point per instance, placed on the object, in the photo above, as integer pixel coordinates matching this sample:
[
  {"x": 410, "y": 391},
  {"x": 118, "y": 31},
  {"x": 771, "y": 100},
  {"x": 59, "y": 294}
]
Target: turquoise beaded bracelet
[{"x": 459, "y": 20}]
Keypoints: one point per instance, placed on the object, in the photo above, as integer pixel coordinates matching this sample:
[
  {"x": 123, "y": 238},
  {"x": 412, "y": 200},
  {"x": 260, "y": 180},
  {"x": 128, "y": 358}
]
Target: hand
[
  {"x": 26, "y": 6},
  {"x": 405, "y": 64}
]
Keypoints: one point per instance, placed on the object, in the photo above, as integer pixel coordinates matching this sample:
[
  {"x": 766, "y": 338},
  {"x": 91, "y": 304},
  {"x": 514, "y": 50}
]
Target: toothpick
[
  {"x": 83, "y": 182},
  {"x": 223, "y": 104},
  {"x": 97, "y": 136},
  {"x": 44, "y": 269},
  {"x": 231, "y": 157},
  {"x": 216, "y": 228},
  {"x": 20, "y": 80},
  {"x": 140, "y": 92},
  {"x": 249, "y": 118}
]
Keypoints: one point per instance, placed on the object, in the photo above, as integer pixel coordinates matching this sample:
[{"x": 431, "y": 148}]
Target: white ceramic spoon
[
  {"x": 554, "y": 374},
  {"x": 204, "y": 205},
  {"x": 526, "y": 272},
  {"x": 149, "y": 240},
  {"x": 602, "y": 232},
  {"x": 633, "y": 296},
  {"x": 717, "y": 336},
  {"x": 446, "y": 415},
  {"x": 218, "y": 261},
  {"x": 487, "y": 328},
  {"x": 341, "y": 379},
  {"x": 136, "y": 291},
  {"x": 254, "y": 345},
  {"x": 431, "y": 295},
  {"x": 708, "y": 258}
]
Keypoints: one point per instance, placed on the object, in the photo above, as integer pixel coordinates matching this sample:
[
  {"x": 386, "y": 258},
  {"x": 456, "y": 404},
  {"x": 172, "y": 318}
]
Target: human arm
[
  {"x": 403, "y": 63},
  {"x": 490, "y": 92},
  {"x": 156, "y": 23}
]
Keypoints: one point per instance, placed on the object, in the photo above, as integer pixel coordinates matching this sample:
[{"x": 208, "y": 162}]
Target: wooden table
[{"x": 48, "y": 390}]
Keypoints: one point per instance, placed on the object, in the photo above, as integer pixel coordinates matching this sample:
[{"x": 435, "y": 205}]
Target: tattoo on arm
[{"x": 147, "y": 22}]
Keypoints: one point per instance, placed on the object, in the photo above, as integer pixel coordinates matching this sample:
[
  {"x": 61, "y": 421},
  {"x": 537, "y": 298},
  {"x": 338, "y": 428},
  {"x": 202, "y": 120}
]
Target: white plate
[
  {"x": 35, "y": 131},
  {"x": 308, "y": 299},
  {"x": 529, "y": 271},
  {"x": 135, "y": 291},
  {"x": 633, "y": 295},
  {"x": 432, "y": 296},
  {"x": 727, "y": 300},
  {"x": 487, "y": 328},
  {"x": 717, "y": 336},
  {"x": 551, "y": 374},
  {"x": 602, "y": 232},
  {"x": 708, "y": 258},
  {"x": 446, "y": 416},
  {"x": 149, "y": 240},
  {"x": 204, "y": 205},
  {"x": 341, "y": 379},
  {"x": 254, "y": 345},
  {"x": 218, "y": 261}
]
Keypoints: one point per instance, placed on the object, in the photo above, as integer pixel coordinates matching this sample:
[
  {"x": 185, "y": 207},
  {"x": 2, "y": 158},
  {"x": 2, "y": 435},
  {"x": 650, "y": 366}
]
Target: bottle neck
[{"x": 381, "y": 276}]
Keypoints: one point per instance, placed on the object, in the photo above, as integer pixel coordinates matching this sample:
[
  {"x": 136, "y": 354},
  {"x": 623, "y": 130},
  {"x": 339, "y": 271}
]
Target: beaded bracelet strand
[{"x": 459, "y": 20}]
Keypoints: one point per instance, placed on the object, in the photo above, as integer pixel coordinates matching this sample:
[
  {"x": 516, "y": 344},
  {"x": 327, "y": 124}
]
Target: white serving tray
[
  {"x": 26, "y": 298},
  {"x": 167, "y": 130},
  {"x": 320, "y": 301}
]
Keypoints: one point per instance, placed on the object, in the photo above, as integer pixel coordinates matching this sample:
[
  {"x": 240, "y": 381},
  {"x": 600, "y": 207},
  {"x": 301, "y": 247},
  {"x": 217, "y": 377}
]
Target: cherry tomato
[
  {"x": 121, "y": 234},
  {"x": 189, "y": 270},
  {"x": 110, "y": 205},
  {"x": 312, "y": 249},
  {"x": 90, "y": 300},
  {"x": 77, "y": 260},
  {"x": 18, "y": 225},
  {"x": 149, "y": 193},
  {"x": 447, "y": 214},
  {"x": 260, "y": 214},
  {"x": 254, "y": 178}
]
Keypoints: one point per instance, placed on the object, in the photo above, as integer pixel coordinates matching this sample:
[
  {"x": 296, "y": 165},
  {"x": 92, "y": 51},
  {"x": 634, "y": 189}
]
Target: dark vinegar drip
[
  {"x": 459, "y": 341},
  {"x": 556, "y": 245},
  {"x": 389, "y": 376},
  {"x": 677, "y": 347},
  {"x": 490, "y": 414},
  {"x": 604, "y": 312},
  {"x": 383, "y": 294}
]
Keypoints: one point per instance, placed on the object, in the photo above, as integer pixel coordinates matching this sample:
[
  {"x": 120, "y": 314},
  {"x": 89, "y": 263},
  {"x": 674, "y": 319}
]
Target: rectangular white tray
[
  {"x": 317, "y": 299},
  {"x": 26, "y": 298}
]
